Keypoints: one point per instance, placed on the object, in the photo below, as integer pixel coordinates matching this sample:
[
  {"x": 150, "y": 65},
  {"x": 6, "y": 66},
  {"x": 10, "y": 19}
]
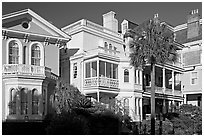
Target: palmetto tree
[{"x": 152, "y": 43}]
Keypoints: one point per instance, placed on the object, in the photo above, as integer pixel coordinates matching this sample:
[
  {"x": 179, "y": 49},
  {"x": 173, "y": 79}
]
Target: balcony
[
  {"x": 101, "y": 82},
  {"x": 23, "y": 69}
]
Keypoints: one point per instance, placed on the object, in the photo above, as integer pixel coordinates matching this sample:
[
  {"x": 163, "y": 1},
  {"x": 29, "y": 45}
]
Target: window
[
  {"x": 34, "y": 101},
  {"x": 12, "y": 103},
  {"x": 194, "y": 78},
  {"x": 115, "y": 71},
  {"x": 88, "y": 69},
  {"x": 126, "y": 106},
  {"x": 106, "y": 45},
  {"x": 13, "y": 52},
  {"x": 91, "y": 69},
  {"x": 101, "y": 68},
  {"x": 94, "y": 68},
  {"x": 24, "y": 101},
  {"x": 75, "y": 70},
  {"x": 108, "y": 70},
  {"x": 110, "y": 46},
  {"x": 126, "y": 75},
  {"x": 35, "y": 55}
]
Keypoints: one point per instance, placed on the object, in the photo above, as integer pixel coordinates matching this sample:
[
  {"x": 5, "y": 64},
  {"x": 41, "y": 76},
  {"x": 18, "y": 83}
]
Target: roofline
[
  {"x": 183, "y": 26},
  {"x": 32, "y": 13}
]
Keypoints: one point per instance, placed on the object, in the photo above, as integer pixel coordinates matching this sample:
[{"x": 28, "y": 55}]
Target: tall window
[
  {"x": 126, "y": 106},
  {"x": 75, "y": 70},
  {"x": 12, "y": 103},
  {"x": 126, "y": 75},
  {"x": 194, "y": 78},
  {"x": 13, "y": 52},
  {"x": 35, "y": 55},
  {"x": 35, "y": 100},
  {"x": 101, "y": 68},
  {"x": 24, "y": 101}
]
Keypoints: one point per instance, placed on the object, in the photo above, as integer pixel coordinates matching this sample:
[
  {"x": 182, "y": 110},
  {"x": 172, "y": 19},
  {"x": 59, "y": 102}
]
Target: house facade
[
  {"x": 30, "y": 65},
  {"x": 190, "y": 35},
  {"x": 98, "y": 64}
]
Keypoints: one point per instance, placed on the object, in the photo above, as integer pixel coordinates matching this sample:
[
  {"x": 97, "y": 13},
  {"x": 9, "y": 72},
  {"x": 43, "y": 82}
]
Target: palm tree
[{"x": 152, "y": 43}]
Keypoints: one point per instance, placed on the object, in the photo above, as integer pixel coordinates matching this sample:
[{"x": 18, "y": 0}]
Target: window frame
[
  {"x": 194, "y": 78},
  {"x": 41, "y": 47},
  {"x": 126, "y": 76}
]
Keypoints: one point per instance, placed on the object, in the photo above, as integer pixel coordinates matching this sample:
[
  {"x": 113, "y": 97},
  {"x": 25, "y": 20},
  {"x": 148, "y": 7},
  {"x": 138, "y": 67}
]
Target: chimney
[
  {"x": 110, "y": 22},
  {"x": 193, "y": 23}
]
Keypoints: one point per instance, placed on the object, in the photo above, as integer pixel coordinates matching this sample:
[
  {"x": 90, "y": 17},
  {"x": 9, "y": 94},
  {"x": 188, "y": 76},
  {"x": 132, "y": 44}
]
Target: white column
[
  {"x": 97, "y": 72},
  {"x": 137, "y": 105},
  {"x": 172, "y": 81},
  {"x": 141, "y": 77},
  {"x": 136, "y": 75},
  {"x": 141, "y": 109},
  {"x": 98, "y": 97},
  {"x": 164, "y": 80}
]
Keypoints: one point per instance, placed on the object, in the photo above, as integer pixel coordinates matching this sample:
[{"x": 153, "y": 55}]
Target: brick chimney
[
  {"x": 193, "y": 23},
  {"x": 110, "y": 22}
]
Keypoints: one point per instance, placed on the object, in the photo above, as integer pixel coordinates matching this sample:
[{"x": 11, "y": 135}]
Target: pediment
[{"x": 29, "y": 21}]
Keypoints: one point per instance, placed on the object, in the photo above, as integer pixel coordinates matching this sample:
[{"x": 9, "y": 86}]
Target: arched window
[
  {"x": 35, "y": 100},
  {"x": 126, "y": 106},
  {"x": 126, "y": 75},
  {"x": 24, "y": 101},
  {"x": 12, "y": 103},
  {"x": 35, "y": 55},
  {"x": 13, "y": 52}
]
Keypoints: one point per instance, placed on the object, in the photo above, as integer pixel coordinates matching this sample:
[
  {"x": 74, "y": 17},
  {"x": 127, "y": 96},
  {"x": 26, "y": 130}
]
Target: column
[
  {"x": 137, "y": 105},
  {"x": 98, "y": 99},
  {"x": 140, "y": 109},
  {"x": 164, "y": 79},
  {"x": 141, "y": 77},
  {"x": 97, "y": 70},
  {"x": 172, "y": 81}
]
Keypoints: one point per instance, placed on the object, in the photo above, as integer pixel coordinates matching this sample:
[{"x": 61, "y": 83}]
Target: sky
[{"x": 64, "y": 13}]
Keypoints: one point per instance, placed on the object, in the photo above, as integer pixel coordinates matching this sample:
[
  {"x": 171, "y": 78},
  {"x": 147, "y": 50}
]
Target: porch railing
[{"x": 101, "y": 81}]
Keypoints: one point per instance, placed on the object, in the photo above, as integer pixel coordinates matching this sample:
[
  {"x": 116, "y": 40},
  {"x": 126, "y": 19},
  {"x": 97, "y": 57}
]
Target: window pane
[
  {"x": 126, "y": 75},
  {"x": 108, "y": 70},
  {"x": 101, "y": 68},
  {"x": 35, "y": 55},
  {"x": 88, "y": 69},
  {"x": 13, "y": 52},
  {"x": 115, "y": 71},
  {"x": 24, "y": 103},
  {"x": 94, "y": 69}
]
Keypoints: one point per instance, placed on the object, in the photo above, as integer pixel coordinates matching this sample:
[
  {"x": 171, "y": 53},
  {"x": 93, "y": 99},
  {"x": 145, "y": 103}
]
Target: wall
[{"x": 52, "y": 58}]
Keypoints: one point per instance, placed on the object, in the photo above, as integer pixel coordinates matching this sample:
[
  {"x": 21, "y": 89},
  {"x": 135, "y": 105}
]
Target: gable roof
[{"x": 28, "y": 13}]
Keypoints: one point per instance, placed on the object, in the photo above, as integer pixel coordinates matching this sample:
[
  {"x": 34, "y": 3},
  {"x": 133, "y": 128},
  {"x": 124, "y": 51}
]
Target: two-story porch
[{"x": 168, "y": 92}]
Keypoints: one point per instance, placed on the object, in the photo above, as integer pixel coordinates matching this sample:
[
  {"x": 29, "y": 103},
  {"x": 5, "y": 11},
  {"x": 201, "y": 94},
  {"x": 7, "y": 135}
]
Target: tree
[
  {"x": 152, "y": 43},
  {"x": 67, "y": 97}
]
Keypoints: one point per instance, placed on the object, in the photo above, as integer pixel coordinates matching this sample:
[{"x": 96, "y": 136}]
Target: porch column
[
  {"x": 140, "y": 102},
  {"x": 137, "y": 105},
  {"x": 163, "y": 84},
  {"x": 98, "y": 99},
  {"x": 172, "y": 73},
  {"x": 97, "y": 73},
  {"x": 141, "y": 77}
]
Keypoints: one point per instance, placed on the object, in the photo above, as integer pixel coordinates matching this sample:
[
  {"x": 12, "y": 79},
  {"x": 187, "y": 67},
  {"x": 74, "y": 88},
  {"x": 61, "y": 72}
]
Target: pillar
[
  {"x": 98, "y": 99},
  {"x": 137, "y": 107},
  {"x": 97, "y": 73},
  {"x": 164, "y": 79},
  {"x": 172, "y": 81},
  {"x": 140, "y": 109}
]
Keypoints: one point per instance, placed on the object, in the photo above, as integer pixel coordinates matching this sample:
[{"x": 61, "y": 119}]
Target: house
[
  {"x": 98, "y": 64},
  {"x": 190, "y": 35},
  {"x": 30, "y": 64}
]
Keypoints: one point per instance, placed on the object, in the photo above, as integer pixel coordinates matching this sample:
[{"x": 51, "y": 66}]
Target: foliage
[
  {"x": 67, "y": 97},
  {"x": 188, "y": 120}
]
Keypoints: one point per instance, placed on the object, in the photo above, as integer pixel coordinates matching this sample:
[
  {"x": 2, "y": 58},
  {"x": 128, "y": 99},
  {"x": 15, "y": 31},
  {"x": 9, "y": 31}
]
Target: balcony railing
[
  {"x": 101, "y": 81},
  {"x": 24, "y": 69},
  {"x": 167, "y": 91}
]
